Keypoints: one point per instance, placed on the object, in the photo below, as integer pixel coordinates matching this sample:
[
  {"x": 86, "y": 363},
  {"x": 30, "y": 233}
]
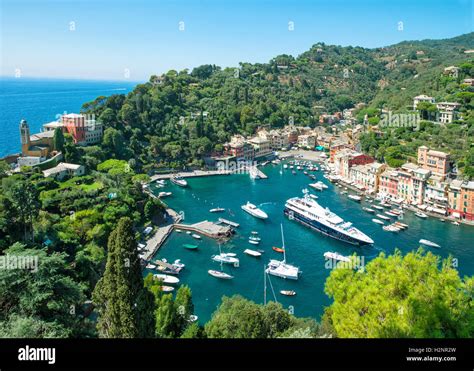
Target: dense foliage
[
  {"x": 174, "y": 119},
  {"x": 401, "y": 296}
]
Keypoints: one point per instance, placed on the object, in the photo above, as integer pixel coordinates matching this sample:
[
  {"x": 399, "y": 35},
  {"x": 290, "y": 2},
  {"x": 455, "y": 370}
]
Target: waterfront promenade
[{"x": 189, "y": 174}]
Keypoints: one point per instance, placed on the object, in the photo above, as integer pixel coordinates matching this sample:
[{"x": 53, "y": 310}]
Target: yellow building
[{"x": 36, "y": 145}]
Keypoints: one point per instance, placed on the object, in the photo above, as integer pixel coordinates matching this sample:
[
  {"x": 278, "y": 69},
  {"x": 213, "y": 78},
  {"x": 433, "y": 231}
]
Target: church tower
[{"x": 24, "y": 136}]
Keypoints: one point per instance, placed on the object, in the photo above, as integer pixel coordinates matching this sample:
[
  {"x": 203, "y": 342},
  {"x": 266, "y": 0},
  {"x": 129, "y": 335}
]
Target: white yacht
[
  {"x": 254, "y": 211},
  {"x": 335, "y": 256},
  {"x": 253, "y": 172},
  {"x": 179, "y": 181},
  {"x": 311, "y": 214}
]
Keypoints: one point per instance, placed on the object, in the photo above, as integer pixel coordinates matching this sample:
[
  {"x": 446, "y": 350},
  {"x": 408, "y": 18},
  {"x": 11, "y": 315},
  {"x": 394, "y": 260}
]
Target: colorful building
[
  {"x": 436, "y": 161},
  {"x": 461, "y": 199}
]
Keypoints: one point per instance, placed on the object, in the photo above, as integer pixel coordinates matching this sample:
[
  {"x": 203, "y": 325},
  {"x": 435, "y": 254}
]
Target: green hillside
[{"x": 175, "y": 118}]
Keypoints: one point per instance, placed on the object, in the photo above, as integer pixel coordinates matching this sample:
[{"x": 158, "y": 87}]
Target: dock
[
  {"x": 189, "y": 174},
  {"x": 228, "y": 222},
  {"x": 207, "y": 228}
]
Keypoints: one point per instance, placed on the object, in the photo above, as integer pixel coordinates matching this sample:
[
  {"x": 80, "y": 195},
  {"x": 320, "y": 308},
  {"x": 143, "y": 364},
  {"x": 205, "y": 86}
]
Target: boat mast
[
  {"x": 283, "y": 243},
  {"x": 264, "y": 286}
]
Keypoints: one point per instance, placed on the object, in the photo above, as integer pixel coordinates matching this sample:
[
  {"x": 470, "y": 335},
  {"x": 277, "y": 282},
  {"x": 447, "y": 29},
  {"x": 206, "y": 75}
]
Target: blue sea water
[{"x": 39, "y": 101}]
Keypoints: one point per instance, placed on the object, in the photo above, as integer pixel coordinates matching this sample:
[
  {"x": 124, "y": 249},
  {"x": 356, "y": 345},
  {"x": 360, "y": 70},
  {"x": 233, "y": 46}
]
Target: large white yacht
[
  {"x": 310, "y": 213},
  {"x": 254, "y": 211}
]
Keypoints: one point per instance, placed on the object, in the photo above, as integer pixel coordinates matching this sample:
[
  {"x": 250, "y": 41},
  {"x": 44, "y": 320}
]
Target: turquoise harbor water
[{"x": 305, "y": 248}]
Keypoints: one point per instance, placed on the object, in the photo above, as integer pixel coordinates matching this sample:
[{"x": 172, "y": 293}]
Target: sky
[{"x": 126, "y": 39}]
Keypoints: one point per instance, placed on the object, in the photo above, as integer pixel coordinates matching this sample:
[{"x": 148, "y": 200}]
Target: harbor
[{"x": 305, "y": 248}]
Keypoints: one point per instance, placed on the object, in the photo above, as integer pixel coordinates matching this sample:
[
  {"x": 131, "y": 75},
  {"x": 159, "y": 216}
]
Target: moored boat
[
  {"x": 288, "y": 292},
  {"x": 253, "y": 253},
  {"x": 311, "y": 214},
  {"x": 196, "y": 236},
  {"x": 378, "y": 221},
  {"x": 190, "y": 247},
  {"x": 165, "y": 278},
  {"x": 355, "y": 198},
  {"x": 429, "y": 243},
  {"x": 421, "y": 215},
  {"x": 381, "y": 216},
  {"x": 217, "y": 210},
  {"x": 179, "y": 181},
  {"x": 219, "y": 274},
  {"x": 278, "y": 249},
  {"x": 369, "y": 210},
  {"x": 336, "y": 256},
  {"x": 254, "y": 211}
]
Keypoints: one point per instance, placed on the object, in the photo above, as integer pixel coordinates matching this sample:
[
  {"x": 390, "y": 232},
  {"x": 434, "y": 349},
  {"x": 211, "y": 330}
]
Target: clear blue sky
[{"x": 143, "y": 36}]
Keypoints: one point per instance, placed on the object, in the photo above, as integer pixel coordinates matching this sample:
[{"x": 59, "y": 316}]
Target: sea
[
  {"x": 40, "y": 101},
  {"x": 304, "y": 247}
]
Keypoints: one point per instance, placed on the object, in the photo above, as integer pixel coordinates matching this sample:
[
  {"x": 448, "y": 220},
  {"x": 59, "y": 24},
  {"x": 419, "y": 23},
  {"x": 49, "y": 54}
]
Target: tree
[
  {"x": 184, "y": 307},
  {"x": 124, "y": 305},
  {"x": 24, "y": 198},
  {"x": 237, "y": 317},
  {"x": 401, "y": 296},
  {"x": 43, "y": 296},
  {"x": 58, "y": 140}
]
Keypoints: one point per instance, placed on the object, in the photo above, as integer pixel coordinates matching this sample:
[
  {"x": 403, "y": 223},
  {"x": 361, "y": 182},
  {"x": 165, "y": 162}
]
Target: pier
[
  {"x": 189, "y": 174},
  {"x": 228, "y": 222},
  {"x": 208, "y": 229}
]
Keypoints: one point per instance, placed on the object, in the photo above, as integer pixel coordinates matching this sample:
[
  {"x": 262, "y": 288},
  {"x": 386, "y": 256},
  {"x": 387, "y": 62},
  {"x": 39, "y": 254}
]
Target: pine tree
[
  {"x": 125, "y": 306},
  {"x": 58, "y": 140}
]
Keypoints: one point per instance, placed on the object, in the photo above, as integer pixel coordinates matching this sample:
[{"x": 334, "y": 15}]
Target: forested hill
[{"x": 181, "y": 115}]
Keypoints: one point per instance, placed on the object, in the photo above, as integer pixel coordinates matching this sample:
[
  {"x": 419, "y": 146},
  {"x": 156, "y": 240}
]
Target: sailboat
[
  {"x": 282, "y": 268},
  {"x": 220, "y": 274}
]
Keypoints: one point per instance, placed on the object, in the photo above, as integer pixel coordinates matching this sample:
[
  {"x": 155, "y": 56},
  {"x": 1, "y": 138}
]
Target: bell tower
[{"x": 24, "y": 136}]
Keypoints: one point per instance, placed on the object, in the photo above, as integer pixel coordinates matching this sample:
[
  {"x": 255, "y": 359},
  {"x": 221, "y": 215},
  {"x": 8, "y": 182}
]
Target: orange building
[
  {"x": 461, "y": 199},
  {"x": 436, "y": 161}
]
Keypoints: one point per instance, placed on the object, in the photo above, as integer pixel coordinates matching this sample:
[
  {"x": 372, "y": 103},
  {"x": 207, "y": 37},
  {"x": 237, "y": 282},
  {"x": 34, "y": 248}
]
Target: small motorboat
[
  {"x": 192, "y": 318},
  {"x": 179, "y": 181},
  {"x": 188, "y": 232},
  {"x": 456, "y": 223},
  {"x": 288, "y": 292},
  {"x": 383, "y": 217},
  {"x": 253, "y": 253},
  {"x": 390, "y": 213},
  {"x": 369, "y": 210},
  {"x": 166, "y": 278},
  {"x": 150, "y": 266},
  {"x": 335, "y": 256},
  {"x": 219, "y": 274},
  {"x": 179, "y": 231},
  {"x": 196, "y": 236},
  {"x": 190, "y": 247},
  {"x": 167, "y": 288},
  {"x": 278, "y": 249},
  {"x": 421, "y": 215},
  {"x": 429, "y": 243},
  {"x": 378, "y": 221},
  {"x": 377, "y": 207},
  {"x": 390, "y": 228},
  {"x": 217, "y": 210},
  {"x": 164, "y": 194},
  {"x": 355, "y": 198},
  {"x": 313, "y": 196},
  {"x": 253, "y": 242}
]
